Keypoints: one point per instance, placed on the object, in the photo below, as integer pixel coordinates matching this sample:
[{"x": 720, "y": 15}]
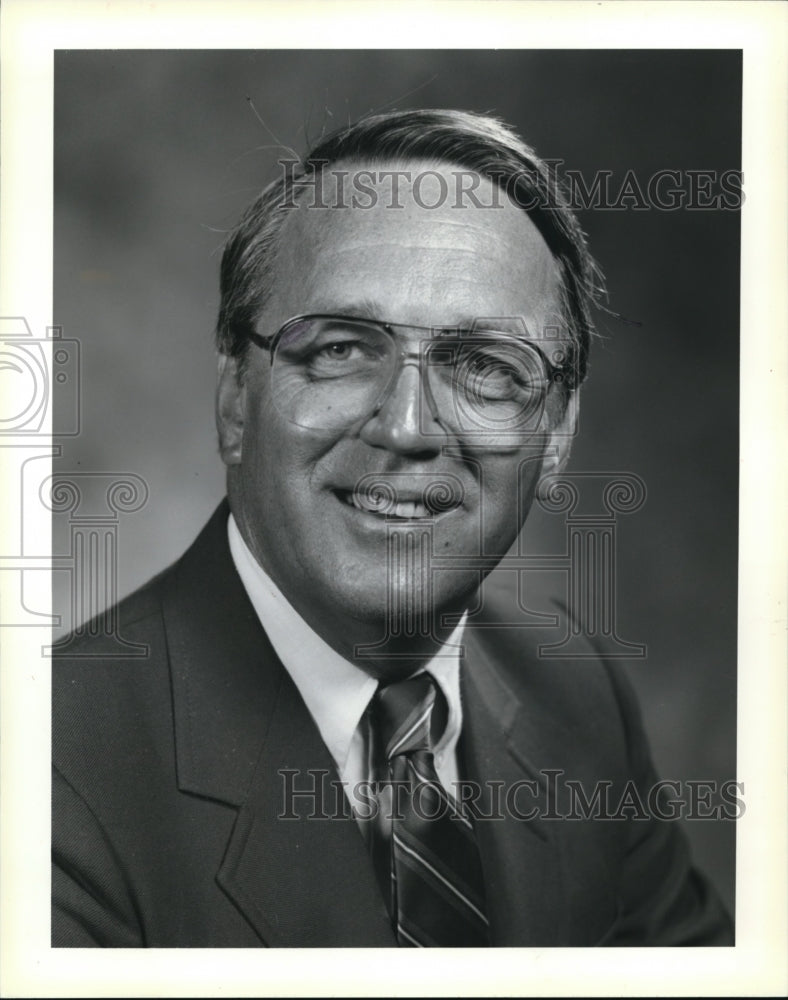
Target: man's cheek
[{"x": 506, "y": 499}]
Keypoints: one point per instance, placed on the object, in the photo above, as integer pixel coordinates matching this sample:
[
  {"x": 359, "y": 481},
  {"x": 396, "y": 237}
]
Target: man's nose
[{"x": 405, "y": 421}]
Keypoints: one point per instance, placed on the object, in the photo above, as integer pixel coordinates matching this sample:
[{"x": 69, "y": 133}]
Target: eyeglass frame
[{"x": 554, "y": 374}]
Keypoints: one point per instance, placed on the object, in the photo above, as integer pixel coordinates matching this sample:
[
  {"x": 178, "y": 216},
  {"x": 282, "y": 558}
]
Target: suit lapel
[
  {"x": 241, "y": 730},
  {"x": 520, "y": 848},
  {"x": 296, "y": 864}
]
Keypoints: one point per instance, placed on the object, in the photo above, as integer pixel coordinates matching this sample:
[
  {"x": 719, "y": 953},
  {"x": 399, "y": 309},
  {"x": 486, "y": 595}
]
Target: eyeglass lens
[{"x": 328, "y": 373}]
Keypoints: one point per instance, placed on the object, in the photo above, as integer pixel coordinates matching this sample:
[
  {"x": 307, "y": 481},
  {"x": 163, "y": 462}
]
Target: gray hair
[{"x": 471, "y": 141}]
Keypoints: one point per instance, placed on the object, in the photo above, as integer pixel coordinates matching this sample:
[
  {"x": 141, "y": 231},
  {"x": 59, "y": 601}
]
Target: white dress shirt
[{"x": 336, "y": 691}]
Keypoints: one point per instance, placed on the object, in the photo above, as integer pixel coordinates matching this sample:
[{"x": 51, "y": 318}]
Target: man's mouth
[{"x": 386, "y": 502}]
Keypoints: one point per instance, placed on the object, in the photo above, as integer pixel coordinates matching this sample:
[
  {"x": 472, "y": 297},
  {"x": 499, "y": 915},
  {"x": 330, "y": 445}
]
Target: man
[{"x": 318, "y": 750}]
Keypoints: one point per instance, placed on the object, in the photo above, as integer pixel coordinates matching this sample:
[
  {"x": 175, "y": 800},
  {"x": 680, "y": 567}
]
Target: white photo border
[{"x": 31, "y": 31}]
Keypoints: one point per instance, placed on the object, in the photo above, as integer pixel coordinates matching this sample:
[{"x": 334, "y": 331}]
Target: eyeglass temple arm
[{"x": 266, "y": 343}]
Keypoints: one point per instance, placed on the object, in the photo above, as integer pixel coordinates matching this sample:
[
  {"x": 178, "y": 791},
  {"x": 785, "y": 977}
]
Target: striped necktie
[{"x": 422, "y": 844}]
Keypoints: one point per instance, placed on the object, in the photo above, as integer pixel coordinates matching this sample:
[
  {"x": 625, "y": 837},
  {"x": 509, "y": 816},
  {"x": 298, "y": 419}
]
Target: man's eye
[
  {"x": 487, "y": 366},
  {"x": 338, "y": 358},
  {"x": 339, "y": 350},
  {"x": 489, "y": 375}
]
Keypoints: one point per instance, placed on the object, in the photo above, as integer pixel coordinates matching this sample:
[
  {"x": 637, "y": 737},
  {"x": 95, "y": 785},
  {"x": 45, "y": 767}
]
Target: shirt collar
[{"x": 335, "y": 691}]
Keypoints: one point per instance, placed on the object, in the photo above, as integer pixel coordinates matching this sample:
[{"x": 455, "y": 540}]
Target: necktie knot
[{"x": 402, "y": 714}]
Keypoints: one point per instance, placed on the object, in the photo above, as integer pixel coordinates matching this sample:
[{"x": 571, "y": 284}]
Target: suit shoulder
[
  {"x": 94, "y": 638},
  {"x": 537, "y": 656},
  {"x": 110, "y": 675},
  {"x": 580, "y": 691}
]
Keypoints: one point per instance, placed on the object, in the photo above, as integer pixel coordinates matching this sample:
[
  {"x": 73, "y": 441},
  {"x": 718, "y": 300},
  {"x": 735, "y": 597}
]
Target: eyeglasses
[{"x": 329, "y": 372}]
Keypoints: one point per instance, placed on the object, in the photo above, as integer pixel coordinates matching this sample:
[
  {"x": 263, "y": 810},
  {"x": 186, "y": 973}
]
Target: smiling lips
[{"x": 388, "y": 503}]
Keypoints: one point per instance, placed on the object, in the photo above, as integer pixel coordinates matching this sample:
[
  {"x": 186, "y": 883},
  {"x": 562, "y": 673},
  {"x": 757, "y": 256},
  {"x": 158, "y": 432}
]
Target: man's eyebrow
[
  {"x": 366, "y": 308},
  {"x": 359, "y": 309}
]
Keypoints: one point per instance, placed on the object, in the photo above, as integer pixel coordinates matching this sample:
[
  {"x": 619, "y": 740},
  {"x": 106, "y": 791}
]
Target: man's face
[{"x": 291, "y": 485}]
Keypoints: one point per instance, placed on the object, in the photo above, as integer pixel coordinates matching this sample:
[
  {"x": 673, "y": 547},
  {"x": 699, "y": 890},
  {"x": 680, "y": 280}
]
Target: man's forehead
[{"x": 416, "y": 205}]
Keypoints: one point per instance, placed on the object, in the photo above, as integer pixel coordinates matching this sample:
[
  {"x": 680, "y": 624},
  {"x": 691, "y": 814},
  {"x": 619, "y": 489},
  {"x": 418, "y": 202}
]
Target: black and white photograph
[{"x": 395, "y": 492}]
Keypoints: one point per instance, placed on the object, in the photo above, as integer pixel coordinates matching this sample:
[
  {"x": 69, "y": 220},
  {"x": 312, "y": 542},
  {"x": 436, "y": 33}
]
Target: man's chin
[{"x": 405, "y": 610}]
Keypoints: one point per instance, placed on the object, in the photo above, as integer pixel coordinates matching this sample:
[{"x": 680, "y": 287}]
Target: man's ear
[
  {"x": 230, "y": 409},
  {"x": 559, "y": 443}
]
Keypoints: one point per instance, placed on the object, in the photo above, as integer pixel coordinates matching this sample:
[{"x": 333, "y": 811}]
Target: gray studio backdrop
[{"x": 156, "y": 153}]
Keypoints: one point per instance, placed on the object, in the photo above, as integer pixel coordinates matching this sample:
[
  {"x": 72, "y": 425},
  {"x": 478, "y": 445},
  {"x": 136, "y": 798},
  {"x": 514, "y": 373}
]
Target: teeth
[
  {"x": 371, "y": 504},
  {"x": 410, "y": 509},
  {"x": 363, "y": 501}
]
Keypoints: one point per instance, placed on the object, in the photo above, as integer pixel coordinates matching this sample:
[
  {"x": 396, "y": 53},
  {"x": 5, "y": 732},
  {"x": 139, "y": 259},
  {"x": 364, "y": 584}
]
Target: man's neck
[{"x": 386, "y": 648}]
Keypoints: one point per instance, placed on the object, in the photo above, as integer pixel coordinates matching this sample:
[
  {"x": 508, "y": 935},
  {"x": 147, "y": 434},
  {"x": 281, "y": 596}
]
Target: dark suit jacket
[{"x": 168, "y": 792}]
